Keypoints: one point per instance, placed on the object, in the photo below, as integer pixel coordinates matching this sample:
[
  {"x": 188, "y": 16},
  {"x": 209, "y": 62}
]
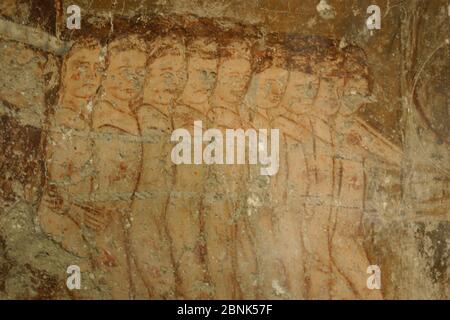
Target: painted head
[
  {"x": 15, "y": 85},
  {"x": 82, "y": 68},
  {"x": 356, "y": 91},
  {"x": 125, "y": 72},
  {"x": 201, "y": 69},
  {"x": 234, "y": 71},
  {"x": 270, "y": 77},
  {"x": 302, "y": 87},
  {"x": 331, "y": 81},
  {"x": 166, "y": 70}
]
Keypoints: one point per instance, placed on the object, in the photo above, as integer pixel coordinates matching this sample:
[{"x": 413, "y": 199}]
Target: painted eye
[
  {"x": 180, "y": 75},
  {"x": 140, "y": 72},
  {"x": 167, "y": 75},
  {"x": 124, "y": 71},
  {"x": 98, "y": 68},
  {"x": 83, "y": 66}
]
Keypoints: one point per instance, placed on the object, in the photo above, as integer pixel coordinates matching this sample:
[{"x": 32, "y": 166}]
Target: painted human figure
[
  {"x": 117, "y": 160},
  {"x": 294, "y": 126},
  {"x": 68, "y": 151},
  {"x": 347, "y": 250},
  {"x": 151, "y": 242},
  {"x": 330, "y": 226},
  {"x": 185, "y": 218},
  {"x": 263, "y": 97},
  {"x": 225, "y": 223},
  {"x": 321, "y": 166}
]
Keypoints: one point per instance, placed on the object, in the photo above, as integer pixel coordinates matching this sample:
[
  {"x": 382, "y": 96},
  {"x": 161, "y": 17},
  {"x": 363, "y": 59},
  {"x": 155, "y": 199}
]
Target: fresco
[{"x": 94, "y": 147}]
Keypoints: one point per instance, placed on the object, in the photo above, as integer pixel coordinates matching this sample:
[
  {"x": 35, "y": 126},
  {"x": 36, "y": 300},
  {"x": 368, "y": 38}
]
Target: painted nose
[
  {"x": 89, "y": 74},
  {"x": 274, "y": 91}
]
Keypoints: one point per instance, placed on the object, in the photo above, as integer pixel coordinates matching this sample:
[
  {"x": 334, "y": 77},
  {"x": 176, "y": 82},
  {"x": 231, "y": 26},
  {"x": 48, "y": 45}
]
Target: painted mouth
[
  {"x": 274, "y": 99},
  {"x": 89, "y": 85}
]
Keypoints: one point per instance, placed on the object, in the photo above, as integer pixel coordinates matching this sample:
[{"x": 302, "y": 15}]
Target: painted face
[
  {"x": 166, "y": 77},
  {"x": 301, "y": 90},
  {"x": 15, "y": 84},
  {"x": 270, "y": 85},
  {"x": 233, "y": 77},
  {"x": 125, "y": 74},
  {"x": 327, "y": 101},
  {"x": 202, "y": 74},
  {"x": 83, "y": 70},
  {"x": 355, "y": 94}
]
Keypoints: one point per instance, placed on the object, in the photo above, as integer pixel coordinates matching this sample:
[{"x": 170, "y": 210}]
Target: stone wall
[{"x": 88, "y": 179}]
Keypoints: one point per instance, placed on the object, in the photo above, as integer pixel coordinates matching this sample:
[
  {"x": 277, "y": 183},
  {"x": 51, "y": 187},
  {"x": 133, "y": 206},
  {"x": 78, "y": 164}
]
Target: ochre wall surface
[{"x": 88, "y": 176}]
